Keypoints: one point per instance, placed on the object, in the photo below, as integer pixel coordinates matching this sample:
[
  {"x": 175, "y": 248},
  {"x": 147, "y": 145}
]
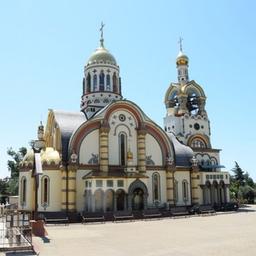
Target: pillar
[
  {"x": 141, "y": 136},
  {"x": 63, "y": 189},
  {"x": 195, "y": 188},
  {"x": 170, "y": 186},
  {"x": 104, "y": 148},
  {"x": 71, "y": 189}
]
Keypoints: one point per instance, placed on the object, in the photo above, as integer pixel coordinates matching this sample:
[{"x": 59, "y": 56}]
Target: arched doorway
[
  {"x": 120, "y": 200},
  {"x": 207, "y": 193},
  {"x": 98, "y": 197},
  {"x": 137, "y": 195},
  {"x": 222, "y": 192},
  {"x": 137, "y": 199},
  {"x": 215, "y": 192},
  {"x": 88, "y": 200},
  {"x": 109, "y": 197}
]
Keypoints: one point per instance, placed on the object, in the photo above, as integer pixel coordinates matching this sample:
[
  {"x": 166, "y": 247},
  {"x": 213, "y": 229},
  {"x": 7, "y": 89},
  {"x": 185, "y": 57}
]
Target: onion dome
[
  {"x": 182, "y": 59},
  {"x": 102, "y": 55},
  {"x": 48, "y": 155}
]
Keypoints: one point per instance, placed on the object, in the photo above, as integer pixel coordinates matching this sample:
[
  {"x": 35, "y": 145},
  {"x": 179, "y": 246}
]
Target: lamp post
[{"x": 37, "y": 146}]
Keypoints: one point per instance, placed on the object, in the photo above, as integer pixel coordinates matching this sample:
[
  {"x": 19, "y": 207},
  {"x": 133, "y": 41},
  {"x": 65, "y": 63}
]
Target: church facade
[{"x": 110, "y": 156}]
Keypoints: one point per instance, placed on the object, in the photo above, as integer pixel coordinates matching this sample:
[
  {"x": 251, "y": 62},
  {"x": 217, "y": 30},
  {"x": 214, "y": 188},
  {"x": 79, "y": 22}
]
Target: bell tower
[
  {"x": 101, "y": 82},
  {"x": 185, "y": 100}
]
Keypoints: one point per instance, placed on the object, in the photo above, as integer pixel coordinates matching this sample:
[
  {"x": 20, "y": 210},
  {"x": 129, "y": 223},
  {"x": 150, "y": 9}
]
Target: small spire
[
  {"x": 101, "y": 34},
  {"x": 180, "y": 43}
]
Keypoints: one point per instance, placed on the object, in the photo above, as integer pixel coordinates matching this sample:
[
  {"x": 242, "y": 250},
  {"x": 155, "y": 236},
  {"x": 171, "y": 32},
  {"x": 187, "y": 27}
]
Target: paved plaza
[{"x": 223, "y": 234}]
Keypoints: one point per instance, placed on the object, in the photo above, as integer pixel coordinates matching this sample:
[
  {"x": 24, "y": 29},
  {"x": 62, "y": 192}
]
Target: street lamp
[{"x": 37, "y": 146}]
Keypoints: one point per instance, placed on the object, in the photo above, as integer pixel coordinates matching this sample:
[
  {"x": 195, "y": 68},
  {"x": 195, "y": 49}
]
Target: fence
[{"x": 15, "y": 231}]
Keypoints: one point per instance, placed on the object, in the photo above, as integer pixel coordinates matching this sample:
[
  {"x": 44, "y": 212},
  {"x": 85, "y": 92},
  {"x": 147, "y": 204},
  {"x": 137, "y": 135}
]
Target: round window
[
  {"x": 122, "y": 117},
  {"x": 196, "y": 126}
]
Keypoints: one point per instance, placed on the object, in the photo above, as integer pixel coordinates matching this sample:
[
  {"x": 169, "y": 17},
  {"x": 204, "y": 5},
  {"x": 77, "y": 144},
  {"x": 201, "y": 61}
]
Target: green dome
[{"x": 101, "y": 54}]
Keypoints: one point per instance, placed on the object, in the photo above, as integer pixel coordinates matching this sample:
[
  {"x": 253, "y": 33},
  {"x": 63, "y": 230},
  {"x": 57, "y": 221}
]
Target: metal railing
[{"x": 15, "y": 231}]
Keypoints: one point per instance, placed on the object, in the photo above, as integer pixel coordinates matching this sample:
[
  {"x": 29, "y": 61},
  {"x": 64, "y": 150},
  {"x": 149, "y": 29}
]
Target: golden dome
[
  {"x": 48, "y": 155},
  {"x": 182, "y": 59},
  {"x": 102, "y": 55}
]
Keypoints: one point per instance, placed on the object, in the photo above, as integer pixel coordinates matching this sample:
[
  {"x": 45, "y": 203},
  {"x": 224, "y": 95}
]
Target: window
[
  {"x": 102, "y": 81},
  {"x": 88, "y": 184},
  {"x": 108, "y": 83},
  {"x": 45, "y": 189},
  {"x": 198, "y": 143},
  {"x": 176, "y": 191},
  {"x": 122, "y": 148},
  {"x": 110, "y": 183},
  {"x": 88, "y": 83},
  {"x": 156, "y": 186},
  {"x": 94, "y": 82},
  {"x": 23, "y": 191},
  {"x": 185, "y": 190},
  {"x": 115, "y": 83},
  {"x": 120, "y": 183},
  {"x": 99, "y": 183}
]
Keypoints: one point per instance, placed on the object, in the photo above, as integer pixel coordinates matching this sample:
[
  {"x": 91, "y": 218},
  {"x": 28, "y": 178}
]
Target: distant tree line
[
  {"x": 242, "y": 187},
  {"x": 10, "y": 185}
]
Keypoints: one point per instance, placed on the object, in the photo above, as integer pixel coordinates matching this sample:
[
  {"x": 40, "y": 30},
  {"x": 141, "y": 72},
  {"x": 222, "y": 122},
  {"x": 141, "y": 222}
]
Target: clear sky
[{"x": 45, "y": 44}]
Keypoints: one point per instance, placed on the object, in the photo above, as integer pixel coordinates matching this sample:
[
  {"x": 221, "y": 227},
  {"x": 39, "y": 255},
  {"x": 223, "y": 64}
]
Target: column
[
  {"x": 129, "y": 202},
  {"x": 141, "y": 135},
  {"x": 71, "y": 188},
  {"x": 115, "y": 202},
  {"x": 195, "y": 187},
  {"x": 93, "y": 203},
  {"x": 170, "y": 186},
  {"x": 63, "y": 189},
  {"x": 104, "y": 148}
]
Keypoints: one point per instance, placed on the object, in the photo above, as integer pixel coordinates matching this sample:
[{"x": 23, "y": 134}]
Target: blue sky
[{"x": 45, "y": 44}]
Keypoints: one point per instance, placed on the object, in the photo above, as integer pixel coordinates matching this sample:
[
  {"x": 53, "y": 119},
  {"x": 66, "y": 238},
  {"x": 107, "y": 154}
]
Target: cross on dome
[
  {"x": 180, "y": 43},
  {"x": 101, "y": 34}
]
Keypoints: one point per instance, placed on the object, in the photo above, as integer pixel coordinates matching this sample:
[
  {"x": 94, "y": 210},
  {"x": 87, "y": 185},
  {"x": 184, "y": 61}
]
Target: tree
[
  {"x": 13, "y": 167},
  {"x": 242, "y": 186},
  {"x": 3, "y": 190},
  {"x": 248, "y": 180},
  {"x": 239, "y": 175}
]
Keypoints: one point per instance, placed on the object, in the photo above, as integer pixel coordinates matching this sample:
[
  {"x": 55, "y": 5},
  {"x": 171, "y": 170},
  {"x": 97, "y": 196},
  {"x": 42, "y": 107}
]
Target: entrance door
[{"x": 137, "y": 199}]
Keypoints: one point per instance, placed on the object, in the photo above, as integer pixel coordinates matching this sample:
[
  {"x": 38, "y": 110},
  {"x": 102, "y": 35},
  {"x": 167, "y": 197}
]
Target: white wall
[
  {"x": 29, "y": 191},
  {"x": 80, "y": 188},
  {"x": 55, "y": 191},
  {"x": 89, "y": 146},
  {"x": 153, "y": 149},
  {"x": 180, "y": 176},
  {"x": 162, "y": 187},
  {"x": 116, "y": 126}
]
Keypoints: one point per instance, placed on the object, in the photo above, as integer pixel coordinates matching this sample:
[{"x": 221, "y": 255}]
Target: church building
[{"x": 110, "y": 156}]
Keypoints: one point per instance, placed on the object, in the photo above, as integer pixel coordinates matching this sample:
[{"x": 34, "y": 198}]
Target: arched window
[
  {"x": 185, "y": 190},
  {"x": 192, "y": 103},
  {"x": 88, "y": 83},
  {"x": 122, "y": 148},
  {"x": 94, "y": 82},
  {"x": 23, "y": 191},
  {"x": 198, "y": 143},
  {"x": 176, "y": 191},
  {"x": 45, "y": 189},
  {"x": 115, "y": 83},
  {"x": 102, "y": 81},
  {"x": 156, "y": 186},
  {"x": 108, "y": 83}
]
